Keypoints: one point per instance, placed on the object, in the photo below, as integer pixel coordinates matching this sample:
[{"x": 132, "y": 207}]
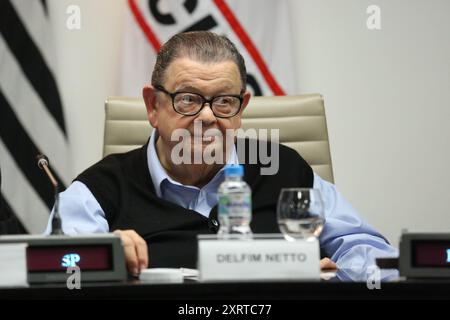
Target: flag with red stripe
[{"x": 259, "y": 28}]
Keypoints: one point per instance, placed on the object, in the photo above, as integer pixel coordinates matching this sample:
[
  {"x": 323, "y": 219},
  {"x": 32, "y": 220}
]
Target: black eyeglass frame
[{"x": 205, "y": 101}]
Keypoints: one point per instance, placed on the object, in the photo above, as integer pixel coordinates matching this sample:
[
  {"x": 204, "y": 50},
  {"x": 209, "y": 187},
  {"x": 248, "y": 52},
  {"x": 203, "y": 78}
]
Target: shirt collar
[{"x": 159, "y": 174}]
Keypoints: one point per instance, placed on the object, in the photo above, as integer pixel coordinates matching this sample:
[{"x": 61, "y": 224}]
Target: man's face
[{"x": 208, "y": 80}]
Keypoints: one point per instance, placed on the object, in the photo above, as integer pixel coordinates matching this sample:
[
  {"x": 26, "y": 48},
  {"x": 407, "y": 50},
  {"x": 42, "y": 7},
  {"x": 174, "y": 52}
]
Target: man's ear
[
  {"x": 247, "y": 95},
  {"x": 150, "y": 99},
  {"x": 246, "y": 98}
]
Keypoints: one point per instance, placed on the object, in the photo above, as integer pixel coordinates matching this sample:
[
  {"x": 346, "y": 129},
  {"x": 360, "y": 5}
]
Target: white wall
[
  {"x": 88, "y": 71},
  {"x": 387, "y": 96}
]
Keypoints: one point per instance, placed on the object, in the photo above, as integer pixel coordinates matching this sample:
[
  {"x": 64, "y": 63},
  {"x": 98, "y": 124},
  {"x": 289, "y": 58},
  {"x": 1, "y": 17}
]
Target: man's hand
[
  {"x": 135, "y": 248},
  {"x": 327, "y": 264}
]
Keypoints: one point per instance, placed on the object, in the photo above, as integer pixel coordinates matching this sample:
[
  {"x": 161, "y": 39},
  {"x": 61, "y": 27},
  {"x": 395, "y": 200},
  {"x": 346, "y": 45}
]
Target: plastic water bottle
[{"x": 235, "y": 203}]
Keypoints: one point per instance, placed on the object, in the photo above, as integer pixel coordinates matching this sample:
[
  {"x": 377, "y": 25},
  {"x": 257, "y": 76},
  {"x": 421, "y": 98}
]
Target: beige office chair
[{"x": 300, "y": 119}]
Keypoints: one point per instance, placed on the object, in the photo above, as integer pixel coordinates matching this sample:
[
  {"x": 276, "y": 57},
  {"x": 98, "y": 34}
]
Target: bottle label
[{"x": 235, "y": 205}]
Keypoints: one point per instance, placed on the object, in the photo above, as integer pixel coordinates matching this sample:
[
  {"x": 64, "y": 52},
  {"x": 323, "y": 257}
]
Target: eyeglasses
[{"x": 190, "y": 104}]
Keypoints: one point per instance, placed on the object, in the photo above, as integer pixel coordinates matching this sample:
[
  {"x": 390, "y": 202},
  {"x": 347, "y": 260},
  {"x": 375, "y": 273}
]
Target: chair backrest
[{"x": 300, "y": 119}]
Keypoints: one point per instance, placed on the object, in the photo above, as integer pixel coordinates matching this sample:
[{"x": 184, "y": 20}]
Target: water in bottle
[{"x": 235, "y": 203}]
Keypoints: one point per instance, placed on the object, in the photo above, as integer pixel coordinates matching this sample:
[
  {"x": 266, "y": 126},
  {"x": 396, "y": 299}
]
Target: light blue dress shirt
[{"x": 346, "y": 238}]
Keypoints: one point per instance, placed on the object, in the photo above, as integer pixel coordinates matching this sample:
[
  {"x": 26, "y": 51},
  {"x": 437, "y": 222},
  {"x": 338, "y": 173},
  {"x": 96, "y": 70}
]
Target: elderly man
[{"x": 158, "y": 205}]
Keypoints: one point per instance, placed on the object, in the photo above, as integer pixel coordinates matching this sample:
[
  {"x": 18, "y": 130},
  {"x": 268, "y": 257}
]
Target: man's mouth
[
  {"x": 205, "y": 138},
  {"x": 208, "y": 139}
]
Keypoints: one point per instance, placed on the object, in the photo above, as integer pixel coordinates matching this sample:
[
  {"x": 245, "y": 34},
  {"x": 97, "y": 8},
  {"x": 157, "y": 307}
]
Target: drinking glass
[{"x": 300, "y": 213}]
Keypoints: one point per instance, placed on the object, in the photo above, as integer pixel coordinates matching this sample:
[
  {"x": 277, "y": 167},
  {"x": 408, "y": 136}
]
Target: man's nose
[{"x": 206, "y": 115}]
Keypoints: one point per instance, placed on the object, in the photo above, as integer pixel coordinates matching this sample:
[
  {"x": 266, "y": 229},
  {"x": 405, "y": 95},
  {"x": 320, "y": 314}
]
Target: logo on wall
[{"x": 262, "y": 39}]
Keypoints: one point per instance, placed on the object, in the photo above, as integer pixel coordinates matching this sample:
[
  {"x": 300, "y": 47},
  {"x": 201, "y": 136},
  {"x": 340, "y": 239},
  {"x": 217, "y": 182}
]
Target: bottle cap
[{"x": 234, "y": 170}]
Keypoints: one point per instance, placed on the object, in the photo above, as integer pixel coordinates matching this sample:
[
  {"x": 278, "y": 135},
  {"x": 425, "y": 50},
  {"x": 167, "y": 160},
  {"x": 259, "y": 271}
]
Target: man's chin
[{"x": 211, "y": 152}]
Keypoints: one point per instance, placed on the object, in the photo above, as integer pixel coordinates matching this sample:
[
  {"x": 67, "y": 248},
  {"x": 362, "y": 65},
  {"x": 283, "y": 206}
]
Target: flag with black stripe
[
  {"x": 31, "y": 116},
  {"x": 264, "y": 39}
]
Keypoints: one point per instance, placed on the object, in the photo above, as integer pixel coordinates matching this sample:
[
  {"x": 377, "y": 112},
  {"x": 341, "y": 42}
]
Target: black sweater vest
[{"x": 122, "y": 185}]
